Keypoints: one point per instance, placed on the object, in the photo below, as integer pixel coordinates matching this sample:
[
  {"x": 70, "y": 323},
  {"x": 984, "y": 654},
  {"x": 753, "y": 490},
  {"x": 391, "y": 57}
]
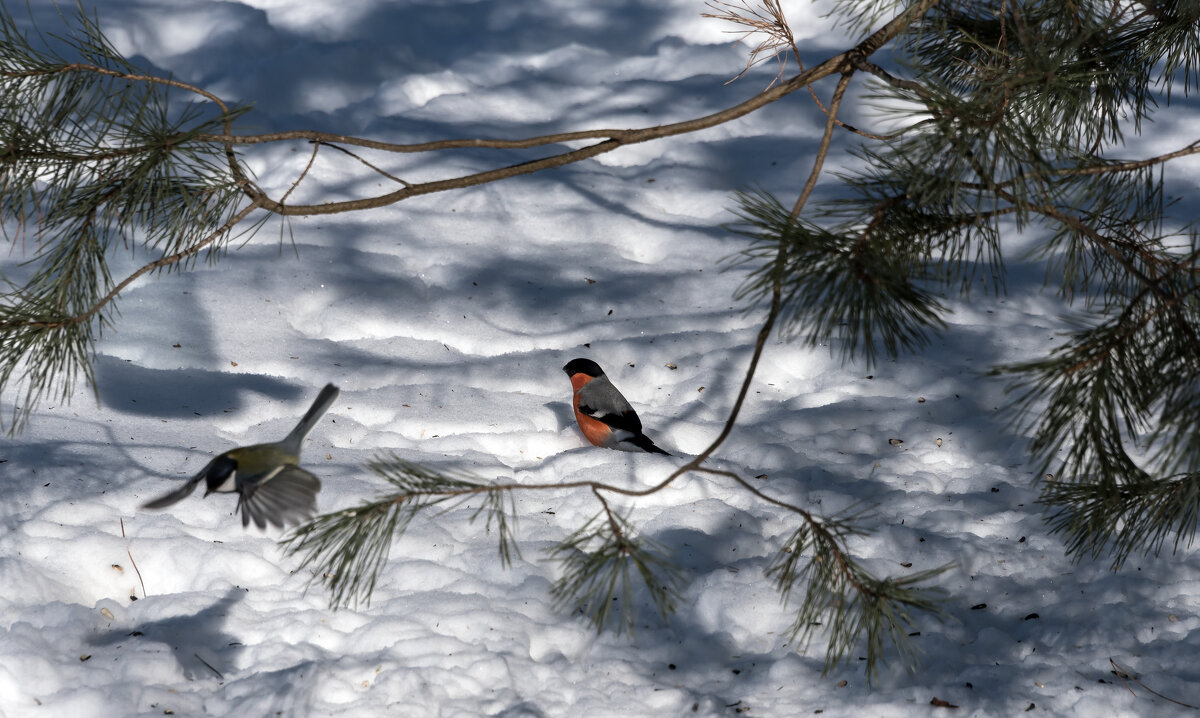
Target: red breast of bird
[{"x": 602, "y": 397}]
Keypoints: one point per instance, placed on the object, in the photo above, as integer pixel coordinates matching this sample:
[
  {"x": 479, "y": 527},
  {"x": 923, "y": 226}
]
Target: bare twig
[
  {"x": 865, "y": 65},
  {"x": 1135, "y": 164},
  {"x": 609, "y": 515},
  {"x": 823, "y": 149},
  {"x": 132, "y": 562},
  {"x": 1125, "y": 675},
  {"x": 395, "y": 179},
  {"x": 304, "y": 173},
  {"x": 771, "y": 22},
  {"x": 209, "y": 666},
  {"x": 767, "y": 20},
  {"x": 1112, "y": 168},
  {"x": 611, "y": 139}
]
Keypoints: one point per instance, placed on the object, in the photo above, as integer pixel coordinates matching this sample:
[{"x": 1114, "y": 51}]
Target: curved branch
[
  {"x": 621, "y": 136},
  {"x": 823, "y": 149},
  {"x": 612, "y": 139},
  {"x": 1121, "y": 166},
  {"x": 1135, "y": 164},
  {"x": 865, "y": 65}
]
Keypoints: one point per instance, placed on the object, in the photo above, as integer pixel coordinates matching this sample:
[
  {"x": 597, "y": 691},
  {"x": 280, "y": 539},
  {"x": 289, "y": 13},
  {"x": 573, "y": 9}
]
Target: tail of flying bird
[{"x": 320, "y": 405}]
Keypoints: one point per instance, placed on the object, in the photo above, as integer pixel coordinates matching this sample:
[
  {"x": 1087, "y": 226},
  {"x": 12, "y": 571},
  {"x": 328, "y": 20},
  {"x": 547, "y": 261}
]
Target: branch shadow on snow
[
  {"x": 1025, "y": 603},
  {"x": 345, "y": 56},
  {"x": 182, "y": 393},
  {"x": 197, "y": 641},
  {"x": 37, "y": 475}
]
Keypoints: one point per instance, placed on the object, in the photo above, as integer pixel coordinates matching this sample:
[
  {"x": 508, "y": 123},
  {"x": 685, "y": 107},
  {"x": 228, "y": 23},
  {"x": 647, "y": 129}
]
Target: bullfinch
[
  {"x": 271, "y": 486},
  {"x": 605, "y": 417}
]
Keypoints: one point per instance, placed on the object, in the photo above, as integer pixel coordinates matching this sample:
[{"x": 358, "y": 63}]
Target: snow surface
[{"x": 445, "y": 320}]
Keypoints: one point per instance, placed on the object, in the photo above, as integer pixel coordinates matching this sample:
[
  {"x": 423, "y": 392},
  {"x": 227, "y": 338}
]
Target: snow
[{"x": 445, "y": 321}]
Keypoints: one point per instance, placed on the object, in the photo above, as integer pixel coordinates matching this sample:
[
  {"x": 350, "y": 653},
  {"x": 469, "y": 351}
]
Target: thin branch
[
  {"x": 1123, "y": 674},
  {"x": 1124, "y": 166},
  {"x": 823, "y": 149},
  {"x": 776, "y": 302},
  {"x": 612, "y": 519},
  {"x": 133, "y": 563},
  {"x": 619, "y": 136},
  {"x": 1191, "y": 149},
  {"x": 861, "y": 63},
  {"x": 304, "y": 173},
  {"x": 383, "y": 172},
  {"x": 613, "y": 139}
]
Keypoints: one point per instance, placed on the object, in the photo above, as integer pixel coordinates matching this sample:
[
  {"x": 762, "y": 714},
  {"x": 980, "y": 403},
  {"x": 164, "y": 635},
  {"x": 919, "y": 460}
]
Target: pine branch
[
  {"x": 348, "y": 549},
  {"x": 89, "y": 164},
  {"x": 1122, "y": 518},
  {"x": 849, "y": 602},
  {"x": 841, "y": 594},
  {"x": 836, "y": 285},
  {"x": 598, "y": 562},
  {"x": 1017, "y": 110}
]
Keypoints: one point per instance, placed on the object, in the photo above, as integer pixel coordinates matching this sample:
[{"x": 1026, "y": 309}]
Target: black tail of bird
[{"x": 643, "y": 442}]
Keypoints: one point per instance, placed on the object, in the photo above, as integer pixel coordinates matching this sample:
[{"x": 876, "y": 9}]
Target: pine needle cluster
[
  {"x": 1017, "y": 113},
  {"x": 348, "y": 549},
  {"x": 92, "y": 164}
]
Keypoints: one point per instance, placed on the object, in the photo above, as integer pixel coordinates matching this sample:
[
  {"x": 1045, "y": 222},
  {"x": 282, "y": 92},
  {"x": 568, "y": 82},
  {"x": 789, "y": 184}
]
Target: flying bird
[
  {"x": 605, "y": 417},
  {"x": 271, "y": 486}
]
